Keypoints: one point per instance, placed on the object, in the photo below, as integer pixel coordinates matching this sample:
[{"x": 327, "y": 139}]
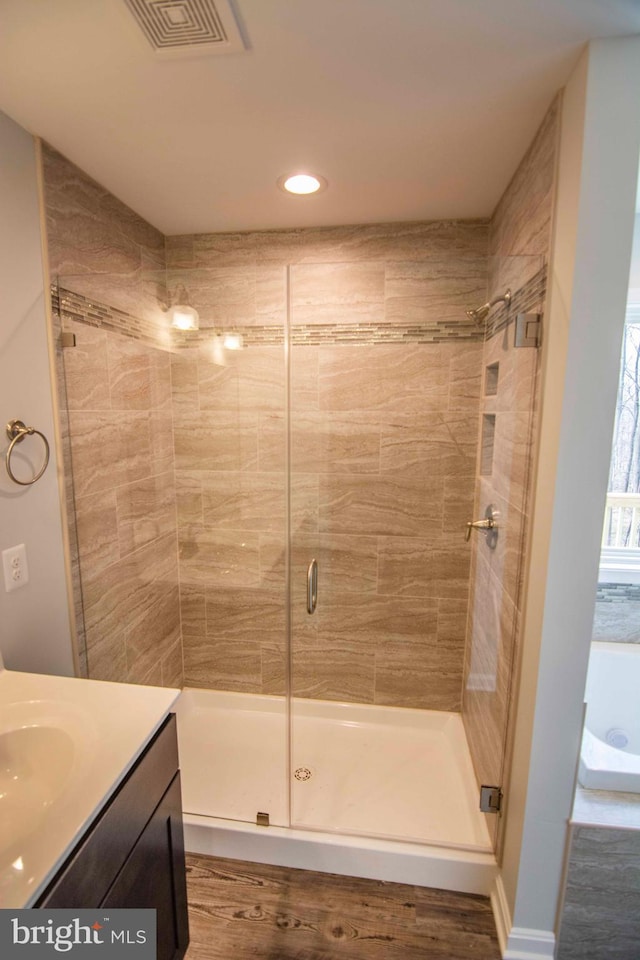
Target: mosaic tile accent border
[
  {"x": 616, "y": 617},
  {"x": 436, "y": 332},
  {"x": 618, "y": 592},
  {"x": 529, "y": 297},
  {"x": 355, "y": 333},
  {"x": 75, "y": 306},
  {"x": 253, "y": 335}
]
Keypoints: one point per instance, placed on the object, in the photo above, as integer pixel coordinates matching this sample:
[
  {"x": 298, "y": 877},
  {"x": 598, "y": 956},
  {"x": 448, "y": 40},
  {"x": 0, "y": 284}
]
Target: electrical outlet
[{"x": 14, "y": 564}]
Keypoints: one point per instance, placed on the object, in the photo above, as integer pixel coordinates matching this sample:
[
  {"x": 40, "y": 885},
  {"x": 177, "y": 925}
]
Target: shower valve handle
[{"x": 487, "y": 524}]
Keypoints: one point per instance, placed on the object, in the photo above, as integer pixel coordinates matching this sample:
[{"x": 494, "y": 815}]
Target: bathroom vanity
[
  {"x": 90, "y": 802},
  {"x": 132, "y": 855}
]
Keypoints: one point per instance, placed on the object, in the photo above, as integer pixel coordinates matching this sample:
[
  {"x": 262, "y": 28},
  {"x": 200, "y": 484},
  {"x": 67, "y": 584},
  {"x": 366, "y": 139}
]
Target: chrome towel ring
[{"x": 16, "y": 432}]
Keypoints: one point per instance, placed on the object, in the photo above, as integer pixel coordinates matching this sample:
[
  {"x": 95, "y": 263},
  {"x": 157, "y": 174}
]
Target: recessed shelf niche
[
  {"x": 486, "y": 444},
  {"x": 491, "y": 379}
]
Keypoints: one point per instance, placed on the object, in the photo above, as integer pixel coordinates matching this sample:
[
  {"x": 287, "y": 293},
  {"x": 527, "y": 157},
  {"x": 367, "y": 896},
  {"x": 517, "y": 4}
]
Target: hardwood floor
[{"x": 241, "y": 910}]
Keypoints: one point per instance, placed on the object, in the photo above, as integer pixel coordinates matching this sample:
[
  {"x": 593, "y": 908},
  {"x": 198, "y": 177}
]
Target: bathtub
[{"x": 610, "y": 754}]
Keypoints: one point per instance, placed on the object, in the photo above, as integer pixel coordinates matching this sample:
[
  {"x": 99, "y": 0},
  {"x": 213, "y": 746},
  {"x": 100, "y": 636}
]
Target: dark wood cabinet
[{"x": 133, "y": 853}]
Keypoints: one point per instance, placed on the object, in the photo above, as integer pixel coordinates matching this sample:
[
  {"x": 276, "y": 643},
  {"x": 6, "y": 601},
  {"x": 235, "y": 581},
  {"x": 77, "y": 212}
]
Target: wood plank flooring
[{"x": 241, "y": 910}]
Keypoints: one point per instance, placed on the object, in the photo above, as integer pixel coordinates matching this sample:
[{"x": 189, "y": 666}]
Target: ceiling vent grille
[{"x": 187, "y": 27}]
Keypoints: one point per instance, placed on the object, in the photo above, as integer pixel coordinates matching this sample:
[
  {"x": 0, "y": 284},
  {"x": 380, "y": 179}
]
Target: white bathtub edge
[
  {"x": 418, "y": 864},
  {"x": 602, "y": 767}
]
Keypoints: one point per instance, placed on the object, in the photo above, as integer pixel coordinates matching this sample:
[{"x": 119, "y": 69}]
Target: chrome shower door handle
[{"x": 312, "y": 586}]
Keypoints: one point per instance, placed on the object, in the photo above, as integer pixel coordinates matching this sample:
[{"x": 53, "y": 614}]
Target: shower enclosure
[
  {"x": 316, "y": 451},
  {"x": 272, "y": 512},
  {"x": 325, "y": 505}
]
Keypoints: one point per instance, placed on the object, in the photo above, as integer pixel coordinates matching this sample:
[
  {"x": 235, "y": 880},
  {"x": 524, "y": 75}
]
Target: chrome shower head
[{"x": 480, "y": 313}]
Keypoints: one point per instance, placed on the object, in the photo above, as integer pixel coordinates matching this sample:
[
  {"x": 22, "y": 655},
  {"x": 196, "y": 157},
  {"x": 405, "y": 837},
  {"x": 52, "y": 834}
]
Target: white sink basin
[
  {"x": 65, "y": 744},
  {"x": 36, "y": 764},
  {"x": 41, "y": 745}
]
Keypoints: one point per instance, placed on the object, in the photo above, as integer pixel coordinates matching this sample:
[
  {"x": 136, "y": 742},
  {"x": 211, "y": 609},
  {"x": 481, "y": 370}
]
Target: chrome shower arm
[{"x": 481, "y": 312}]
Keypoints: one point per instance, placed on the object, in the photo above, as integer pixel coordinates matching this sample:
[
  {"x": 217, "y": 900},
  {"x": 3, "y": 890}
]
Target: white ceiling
[{"x": 412, "y": 109}]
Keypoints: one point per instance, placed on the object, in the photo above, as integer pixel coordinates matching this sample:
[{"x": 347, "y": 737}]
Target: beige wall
[
  {"x": 35, "y": 621},
  {"x": 98, "y": 246},
  {"x": 383, "y": 451},
  {"x": 386, "y": 376},
  {"x": 119, "y": 432},
  {"x": 385, "y": 393},
  {"x": 590, "y": 260},
  {"x": 385, "y": 381},
  {"x": 519, "y": 251}
]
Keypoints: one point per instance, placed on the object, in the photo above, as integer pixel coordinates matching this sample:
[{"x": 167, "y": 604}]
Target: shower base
[{"x": 379, "y": 792}]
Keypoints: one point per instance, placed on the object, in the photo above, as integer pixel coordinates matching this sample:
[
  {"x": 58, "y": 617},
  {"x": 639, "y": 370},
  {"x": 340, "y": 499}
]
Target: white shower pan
[{"x": 381, "y": 792}]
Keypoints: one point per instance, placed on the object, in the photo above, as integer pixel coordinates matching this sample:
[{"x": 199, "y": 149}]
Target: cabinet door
[
  {"x": 87, "y": 876},
  {"x": 153, "y": 876}
]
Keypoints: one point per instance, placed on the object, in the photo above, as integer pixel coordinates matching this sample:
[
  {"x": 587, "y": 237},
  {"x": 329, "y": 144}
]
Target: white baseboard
[
  {"x": 518, "y": 943},
  {"x": 525, "y": 944},
  {"x": 501, "y": 912}
]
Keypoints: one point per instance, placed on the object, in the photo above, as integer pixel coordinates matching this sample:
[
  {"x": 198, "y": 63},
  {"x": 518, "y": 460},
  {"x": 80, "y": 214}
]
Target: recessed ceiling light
[{"x": 302, "y": 183}]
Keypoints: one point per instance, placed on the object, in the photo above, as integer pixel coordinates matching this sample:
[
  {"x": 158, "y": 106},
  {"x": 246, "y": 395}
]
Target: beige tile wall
[
  {"x": 383, "y": 453},
  {"x": 519, "y": 238},
  {"x": 118, "y": 435},
  {"x": 98, "y": 246},
  {"x": 122, "y": 451},
  {"x": 383, "y": 443}
]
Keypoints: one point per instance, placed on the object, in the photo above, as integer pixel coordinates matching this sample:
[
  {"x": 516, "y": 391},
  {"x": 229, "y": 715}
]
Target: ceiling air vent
[{"x": 187, "y": 27}]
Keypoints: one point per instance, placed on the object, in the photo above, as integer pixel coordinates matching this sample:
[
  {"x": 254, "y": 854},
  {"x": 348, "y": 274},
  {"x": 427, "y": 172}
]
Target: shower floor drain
[{"x": 302, "y": 773}]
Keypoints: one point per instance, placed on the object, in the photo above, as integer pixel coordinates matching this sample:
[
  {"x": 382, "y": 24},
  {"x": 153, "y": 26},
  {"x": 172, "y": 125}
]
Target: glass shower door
[
  {"x": 177, "y": 450},
  {"x": 383, "y": 439},
  {"x": 507, "y": 426}
]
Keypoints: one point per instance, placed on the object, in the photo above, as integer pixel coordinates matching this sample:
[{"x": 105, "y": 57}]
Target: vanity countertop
[{"x": 65, "y": 745}]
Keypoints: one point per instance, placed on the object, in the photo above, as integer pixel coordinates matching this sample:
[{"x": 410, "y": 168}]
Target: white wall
[
  {"x": 598, "y": 166},
  {"x": 34, "y": 620}
]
